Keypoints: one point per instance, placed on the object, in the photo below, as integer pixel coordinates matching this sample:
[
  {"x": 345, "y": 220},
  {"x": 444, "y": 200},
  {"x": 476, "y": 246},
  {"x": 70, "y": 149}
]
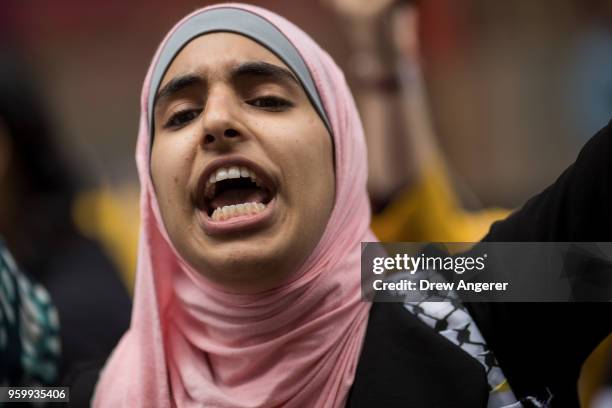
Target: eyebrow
[
  {"x": 254, "y": 68},
  {"x": 263, "y": 69},
  {"x": 175, "y": 85}
]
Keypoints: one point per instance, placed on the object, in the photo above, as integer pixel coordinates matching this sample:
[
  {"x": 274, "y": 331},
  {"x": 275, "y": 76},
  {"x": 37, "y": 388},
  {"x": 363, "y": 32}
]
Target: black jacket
[{"x": 540, "y": 346}]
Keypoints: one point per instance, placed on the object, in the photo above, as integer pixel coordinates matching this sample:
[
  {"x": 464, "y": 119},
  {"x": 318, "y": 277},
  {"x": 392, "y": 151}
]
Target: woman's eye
[
  {"x": 182, "y": 118},
  {"x": 271, "y": 103}
]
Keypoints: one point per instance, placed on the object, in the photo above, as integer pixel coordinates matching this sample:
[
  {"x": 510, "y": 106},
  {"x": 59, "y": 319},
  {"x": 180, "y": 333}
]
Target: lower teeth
[{"x": 231, "y": 211}]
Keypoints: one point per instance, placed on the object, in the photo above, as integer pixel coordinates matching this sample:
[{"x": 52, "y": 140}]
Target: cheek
[
  {"x": 310, "y": 164},
  {"x": 170, "y": 170}
]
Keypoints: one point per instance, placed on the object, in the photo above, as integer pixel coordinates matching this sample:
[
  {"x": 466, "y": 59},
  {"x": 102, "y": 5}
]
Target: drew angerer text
[{"x": 405, "y": 285}]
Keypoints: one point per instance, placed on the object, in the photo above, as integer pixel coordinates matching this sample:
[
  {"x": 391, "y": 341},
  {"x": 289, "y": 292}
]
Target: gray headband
[{"x": 242, "y": 22}]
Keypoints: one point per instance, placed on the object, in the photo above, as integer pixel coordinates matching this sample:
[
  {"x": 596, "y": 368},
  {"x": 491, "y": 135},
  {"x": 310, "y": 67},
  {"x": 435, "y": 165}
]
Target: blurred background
[{"x": 507, "y": 93}]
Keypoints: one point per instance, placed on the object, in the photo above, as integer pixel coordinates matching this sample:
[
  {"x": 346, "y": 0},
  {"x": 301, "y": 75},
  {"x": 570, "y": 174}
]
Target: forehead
[{"x": 215, "y": 53}]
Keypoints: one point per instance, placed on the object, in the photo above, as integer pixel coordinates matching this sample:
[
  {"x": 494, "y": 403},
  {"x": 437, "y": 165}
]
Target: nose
[{"x": 221, "y": 120}]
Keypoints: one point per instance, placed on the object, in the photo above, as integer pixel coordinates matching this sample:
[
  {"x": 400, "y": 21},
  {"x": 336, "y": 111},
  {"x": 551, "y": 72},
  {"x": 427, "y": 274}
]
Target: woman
[
  {"x": 278, "y": 289},
  {"x": 252, "y": 165}
]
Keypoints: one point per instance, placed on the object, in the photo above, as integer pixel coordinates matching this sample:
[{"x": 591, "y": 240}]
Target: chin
[{"x": 252, "y": 263}]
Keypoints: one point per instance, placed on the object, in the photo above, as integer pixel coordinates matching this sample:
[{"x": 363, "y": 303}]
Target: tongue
[{"x": 238, "y": 196}]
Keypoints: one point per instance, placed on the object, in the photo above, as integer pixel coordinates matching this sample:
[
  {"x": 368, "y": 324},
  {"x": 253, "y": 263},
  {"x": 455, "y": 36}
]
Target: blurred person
[
  {"x": 29, "y": 329},
  {"x": 410, "y": 185},
  {"x": 252, "y": 165},
  {"x": 409, "y": 177},
  {"x": 37, "y": 192}
]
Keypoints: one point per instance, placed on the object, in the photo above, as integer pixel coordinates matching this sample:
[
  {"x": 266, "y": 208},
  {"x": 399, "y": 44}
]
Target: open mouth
[{"x": 232, "y": 191}]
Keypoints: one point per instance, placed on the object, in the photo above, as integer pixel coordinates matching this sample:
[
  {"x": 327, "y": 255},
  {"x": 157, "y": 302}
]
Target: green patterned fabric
[{"x": 29, "y": 329}]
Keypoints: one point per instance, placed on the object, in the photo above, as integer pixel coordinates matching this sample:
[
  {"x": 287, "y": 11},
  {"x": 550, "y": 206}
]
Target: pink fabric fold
[{"x": 192, "y": 344}]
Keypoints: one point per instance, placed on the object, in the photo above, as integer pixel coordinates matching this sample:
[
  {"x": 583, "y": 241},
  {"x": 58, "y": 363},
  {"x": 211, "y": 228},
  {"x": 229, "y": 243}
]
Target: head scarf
[{"x": 192, "y": 344}]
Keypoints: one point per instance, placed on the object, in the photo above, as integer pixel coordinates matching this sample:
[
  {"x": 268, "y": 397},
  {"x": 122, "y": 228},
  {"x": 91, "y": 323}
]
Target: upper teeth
[{"x": 224, "y": 173}]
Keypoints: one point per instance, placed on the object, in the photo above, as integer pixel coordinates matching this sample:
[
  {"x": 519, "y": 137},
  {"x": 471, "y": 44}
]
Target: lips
[{"x": 235, "y": 188}]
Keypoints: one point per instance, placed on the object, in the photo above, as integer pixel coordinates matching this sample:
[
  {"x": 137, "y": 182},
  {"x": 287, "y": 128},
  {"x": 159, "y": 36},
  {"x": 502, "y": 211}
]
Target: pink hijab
[{"x": 191, "y": 344}]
